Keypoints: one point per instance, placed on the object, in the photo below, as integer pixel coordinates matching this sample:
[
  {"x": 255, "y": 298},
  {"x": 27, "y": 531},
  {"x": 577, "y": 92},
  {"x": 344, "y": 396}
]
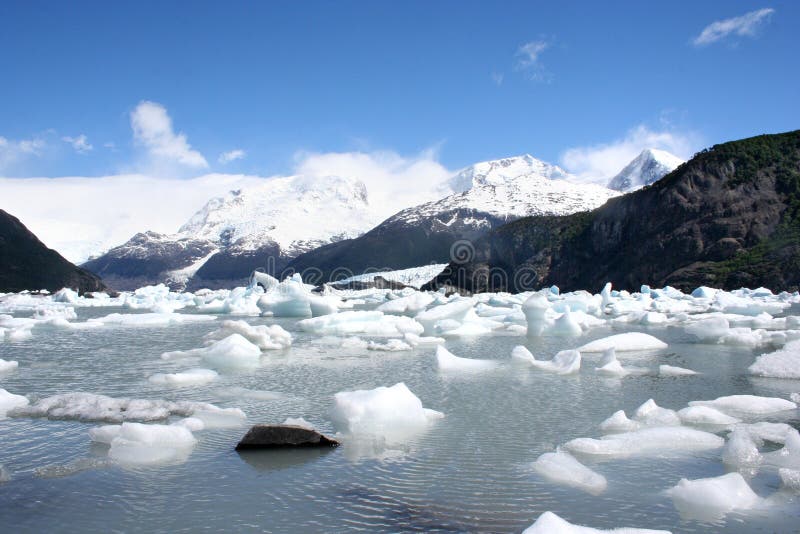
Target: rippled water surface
[{"x": 469, "y": 472}]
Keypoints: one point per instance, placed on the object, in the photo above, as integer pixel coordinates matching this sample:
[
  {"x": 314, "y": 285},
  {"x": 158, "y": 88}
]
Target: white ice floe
[
  {"x": 618, "y": 422},
  {"x": 790, "y": 479},
  {"x": 562, "y": 468},
  {"x": 232, "y": 352},
  {"x": 629, "y": 341},
  {"x": 293, "y": 298},
  {"x": 8, "y": 365},
  {"x": 149, "y": 319},
  {"x": 610, "y": 365},
  {"x": 192, "y": 377},
  {"x": 10, "y": 401},
  {"x": 416, "y": 340},
  {"x": 748, "y": 405},
  {"x": 766, "y": 431},
  {"x": 266, "y": 337},
  {"x": 705, "y": 415},
  {"x": 709, "y": 499},
  {"x": 535, "y": 310},
  {"x": 550, "y": 523},
  {"x": 449, "y": 362},
  {"x": 651, "y": 414},
  {"x": 565, "y": 325},
  {"x": 392, "y": 413},
  {"x": 391, "y": 345},
  {"x": 671, "y": 370},
  {"x": 372, "y": 323},
  {"x": 91, "y": 407},
  {"x": 784, "y": 363},
  {"x": 652, "y": 441},
  {"x": 789, "y": 455},
  {"x": 564, "y": 362},
  {"x": 408, "y": 305},
  {"x": 740, "y": 451},
  {"x": 449, "y": 317},
  {"x": 145, "y": 444}
]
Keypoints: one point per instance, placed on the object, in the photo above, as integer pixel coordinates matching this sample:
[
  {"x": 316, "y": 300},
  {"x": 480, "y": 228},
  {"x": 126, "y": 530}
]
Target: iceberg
[
  {"x": 709, "y": 499},
  {"x": 629, "y": 341},
  {"x": 784, "y": 363},
  {"x": 10, "y": 401},
  {"x": 265, "y": 337},
  {"x": 550, "y": 523},
  {"x": 447, "y": 362},
  {"x": 192, "y": 377},
  {"x": 562, "y": 468},
  {"x": 705, "y": 415},
  {"x": 141, "y": 444},
  {"x": 670, "y": 370},
  {"x": 647, "y": 442},
  {"x": 563, "y": 363},
  {"x": 746, "y": 405},
  {"x": 232, "y": 352},
  {"x": 371, "y": 323}
]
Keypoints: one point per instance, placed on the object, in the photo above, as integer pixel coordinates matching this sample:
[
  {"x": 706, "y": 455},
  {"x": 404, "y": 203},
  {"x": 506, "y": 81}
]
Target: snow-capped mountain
[
  {"x": 490, "y": 194},
  {"x": 648, "y": 167},
  {"x": 262, "y": 226}
]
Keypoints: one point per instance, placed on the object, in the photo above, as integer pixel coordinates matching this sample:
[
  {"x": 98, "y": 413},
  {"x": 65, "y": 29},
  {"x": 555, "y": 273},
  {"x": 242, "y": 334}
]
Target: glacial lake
[{"x": 469, "y": 472}]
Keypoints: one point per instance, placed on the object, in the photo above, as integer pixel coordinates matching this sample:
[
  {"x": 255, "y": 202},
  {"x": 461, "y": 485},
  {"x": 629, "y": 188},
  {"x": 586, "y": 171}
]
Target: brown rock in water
[{"x": 283, "y": 436}]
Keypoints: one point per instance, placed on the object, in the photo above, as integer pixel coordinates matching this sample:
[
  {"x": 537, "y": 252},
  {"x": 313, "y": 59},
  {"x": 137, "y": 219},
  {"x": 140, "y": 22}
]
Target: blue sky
[{"x": 457, "y": 81}]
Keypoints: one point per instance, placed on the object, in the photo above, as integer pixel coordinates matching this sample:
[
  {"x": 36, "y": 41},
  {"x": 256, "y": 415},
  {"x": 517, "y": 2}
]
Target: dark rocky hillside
[
  {"x": 728, "y": 218},
  {"x": 27, "y": 264}
]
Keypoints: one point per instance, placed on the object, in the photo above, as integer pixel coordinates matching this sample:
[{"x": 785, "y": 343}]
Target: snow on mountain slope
[
  {"x": 648, "y": 167},
  {"x": 512, "y": 188},
  {"x": 296, "y": 213}
]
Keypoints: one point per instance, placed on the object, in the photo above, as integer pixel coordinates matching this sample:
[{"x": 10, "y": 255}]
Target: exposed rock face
[
  {"x": 26, "y": 263},
  {"x": 490, "y": 194},
  {"x": 728, "y": 218},
  {"x": 283, "y": 436}
]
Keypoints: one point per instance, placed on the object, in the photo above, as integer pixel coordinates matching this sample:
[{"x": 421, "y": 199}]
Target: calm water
[{"x": 469, "y": 472}]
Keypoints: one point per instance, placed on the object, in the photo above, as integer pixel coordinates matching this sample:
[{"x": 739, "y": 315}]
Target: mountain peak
[
  {"x": 649, "y": 166},
  {"x": 501, "y": 171}
]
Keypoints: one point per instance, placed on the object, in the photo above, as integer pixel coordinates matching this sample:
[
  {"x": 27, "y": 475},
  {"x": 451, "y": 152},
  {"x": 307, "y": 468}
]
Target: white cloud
[
  {"x": 497, "y": 78},
  {"x": 231, "y": 155},
  {"x": 393, "y": 182},
  {"x": 81, "y": 216},
  {"x": 152, "y": 128},
  {"x": 528, "y": 59},
  {"x": 598, "y": 163},
  {"x": 80, "y": 144},
  {"x": 744, "y": 26},
  {"x": 110, "y": 145},
  {"x": 12, "y": 151}
]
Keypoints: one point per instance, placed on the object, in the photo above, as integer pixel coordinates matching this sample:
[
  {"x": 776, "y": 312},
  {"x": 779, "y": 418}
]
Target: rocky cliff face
[
  {"x": 26, "y": 263},
  {"x": 730, "y": 217}
]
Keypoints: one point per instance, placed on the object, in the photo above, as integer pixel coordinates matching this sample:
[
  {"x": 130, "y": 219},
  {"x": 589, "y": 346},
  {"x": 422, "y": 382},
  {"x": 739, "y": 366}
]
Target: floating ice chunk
[
  {"x": 744, "y": 405},
  {"x": 216, "y": 417},
  {"x": 151, "y": 319},
  {"x": 5, "y": 475},
  {"x": 105, "y": 434},
  {"x": 565, "y": 325},
  {"x": 244, "y": 393},
  {"x": 550, "y": 523},
  {"x": 562, "y": 468},
  {"x": 393, "y": 413},
  {"x": 409, "y": 305},
  {"x": 74, "y": 467},
  {"x": 92, "y": 407},
  {"x": 140, "y": 444},
  {"x": 9, "y": 401},
  {"x": 266, "y": 337},
  {"x": 192, "y": 377},
  {"x": 618, "y": 422},
  {"x": 192, "y": 423},
  {"x": 535, "y": 310},
  {"x": 711, "y": 329},
  {"x": 790, "y": 479},
  {"x": 455, "y": 312},
  {"x": 629, "y": 341},
  {"x": 448, "y": 361},
  {"x": 563, "y": 363},
  {"x": 298, "y": 421},
  {"x": 741, "y": 451},
  {"x": 8, "y": 365},
  {"x": 232, "y": 352},
  {"x": 704, "y": 292},
  {"x": 373, "y": 323},
  {"x": 647, "y": 442},
  {"x": 705, "y": 415},
  {"x": 415, "y": 340},
  {"x": 18, "y": 334},
  {"x": 709, "y": 499},
  {"x": 264, "y": 280},
  {"x": 671, "y": 370},
  {"x": 765, "y": 431},
  {"x": 392, "y": 345},
  {"x": 784, "y": 363},
  {"x": 652, "y": 318},
  {"x": 292, "y": 298},
  {"x": 520, "y": 354},
  {"x": 609, "y": 364},
  {"x": 789, "y": 455},
  {"x": 651, "y": 414}
]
